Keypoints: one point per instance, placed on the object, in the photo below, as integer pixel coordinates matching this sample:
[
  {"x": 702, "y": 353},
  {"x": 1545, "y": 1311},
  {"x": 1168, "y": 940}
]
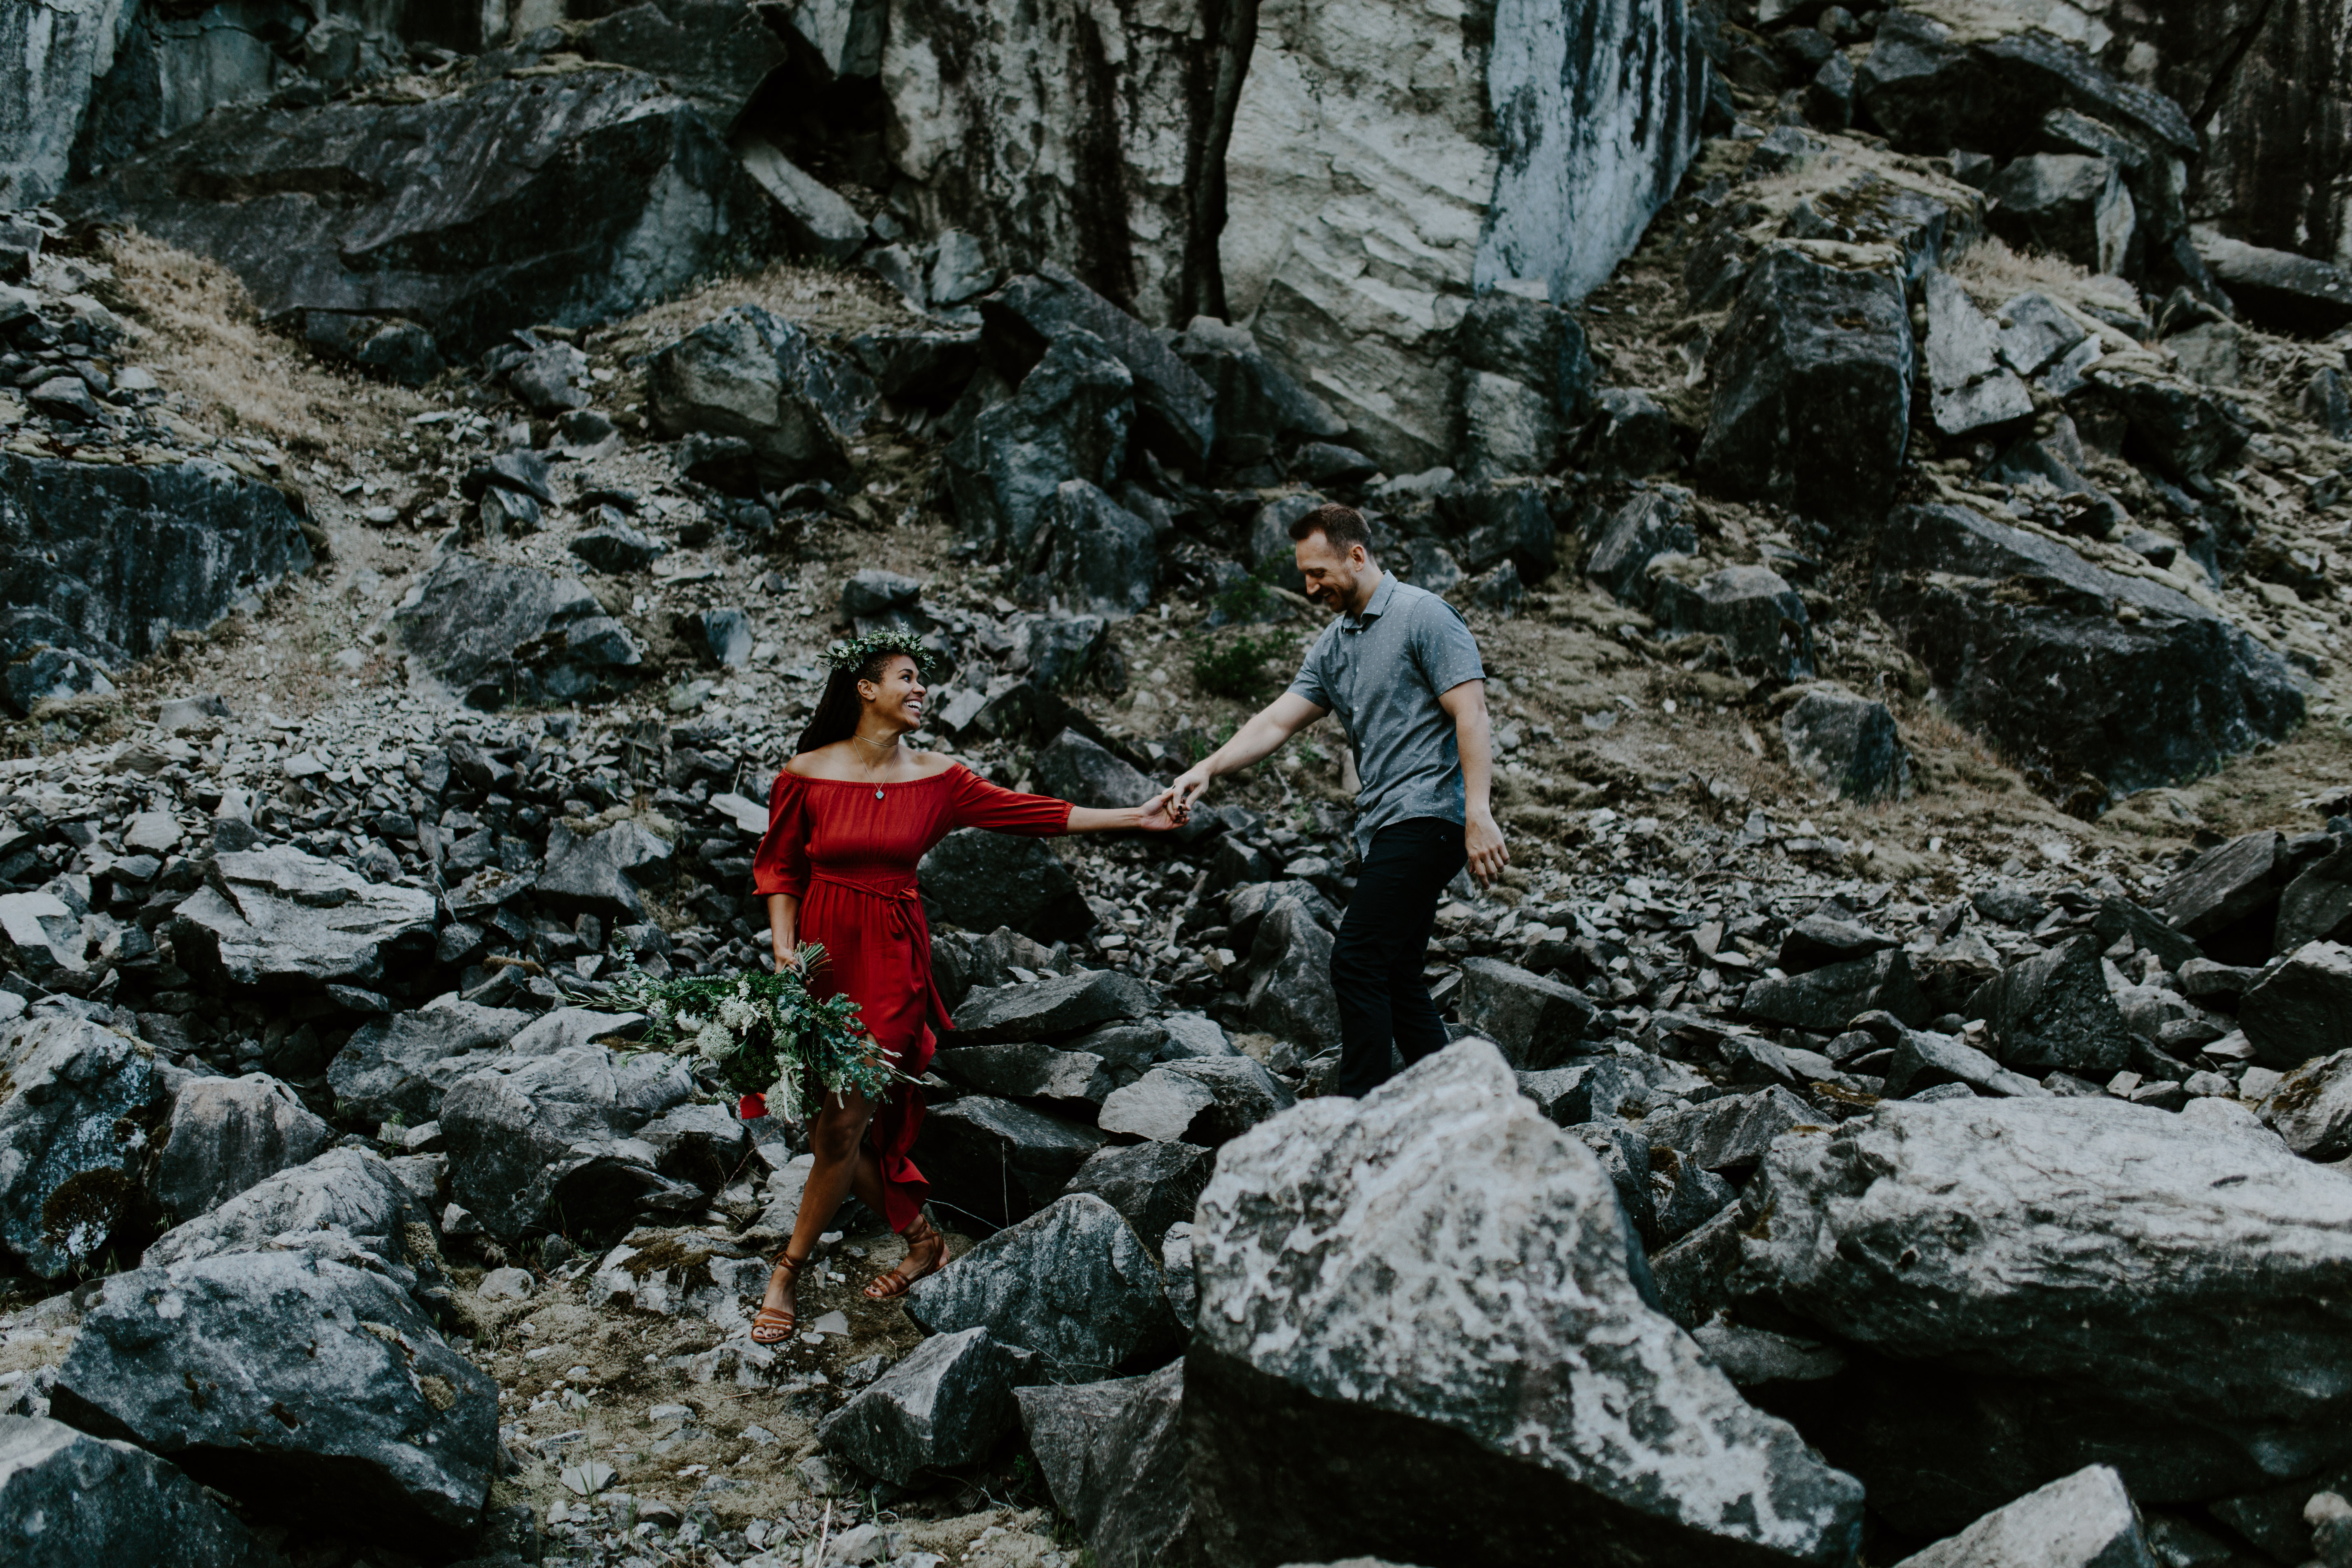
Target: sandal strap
[{"x": 788, "y": 1263}]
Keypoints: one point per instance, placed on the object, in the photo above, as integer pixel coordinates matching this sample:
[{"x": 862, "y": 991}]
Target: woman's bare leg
[{"x": 837, "y": 1139}]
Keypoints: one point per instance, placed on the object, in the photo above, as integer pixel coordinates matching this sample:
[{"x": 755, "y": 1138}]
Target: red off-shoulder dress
[{"x": 850, "y": 859}]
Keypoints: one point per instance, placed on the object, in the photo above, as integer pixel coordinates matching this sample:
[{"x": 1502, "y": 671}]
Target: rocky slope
[{"x": 1893, "y": 472}]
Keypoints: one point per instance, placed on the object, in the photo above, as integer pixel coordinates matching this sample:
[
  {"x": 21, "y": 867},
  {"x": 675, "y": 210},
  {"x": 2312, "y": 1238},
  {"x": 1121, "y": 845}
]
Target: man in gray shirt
[{"x": 1401, "y": 668}]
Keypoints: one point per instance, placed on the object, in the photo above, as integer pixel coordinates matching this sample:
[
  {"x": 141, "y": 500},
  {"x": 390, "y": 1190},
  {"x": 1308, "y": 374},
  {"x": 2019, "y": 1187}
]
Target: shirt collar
[{"x": 1375, "y": 605}]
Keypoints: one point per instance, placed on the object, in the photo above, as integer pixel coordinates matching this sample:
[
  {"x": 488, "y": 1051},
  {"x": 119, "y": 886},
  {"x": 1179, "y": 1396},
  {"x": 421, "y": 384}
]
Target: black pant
[{"x": 1376, "y": 962}]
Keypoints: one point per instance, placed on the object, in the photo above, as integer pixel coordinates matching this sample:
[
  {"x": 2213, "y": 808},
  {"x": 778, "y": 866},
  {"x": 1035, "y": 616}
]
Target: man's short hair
[{"x": 1341, "y": 525}]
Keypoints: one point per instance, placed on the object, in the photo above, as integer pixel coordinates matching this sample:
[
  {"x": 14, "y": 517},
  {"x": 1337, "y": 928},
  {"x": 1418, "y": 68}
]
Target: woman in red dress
[{"x": 850, "y": 815}]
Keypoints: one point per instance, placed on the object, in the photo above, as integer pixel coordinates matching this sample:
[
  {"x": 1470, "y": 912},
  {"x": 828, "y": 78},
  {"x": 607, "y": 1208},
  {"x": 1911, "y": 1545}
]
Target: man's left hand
[{"x": 1484, "y": 842}]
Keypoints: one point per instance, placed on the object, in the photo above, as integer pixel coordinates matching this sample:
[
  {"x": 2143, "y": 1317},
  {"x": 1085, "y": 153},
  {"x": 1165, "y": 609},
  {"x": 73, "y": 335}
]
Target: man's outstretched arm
[
  {"x": 1474, "y": 737},
  {"x": 1267, "y": 728}
]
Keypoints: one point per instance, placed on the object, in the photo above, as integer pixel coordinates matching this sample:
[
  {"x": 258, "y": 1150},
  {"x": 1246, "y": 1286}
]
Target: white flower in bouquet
[
  {"x": 739, "y": 1014},
  {"x": 713, "y": 1040}
]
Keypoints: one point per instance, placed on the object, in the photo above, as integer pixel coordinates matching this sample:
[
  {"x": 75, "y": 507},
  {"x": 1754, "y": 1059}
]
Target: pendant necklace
[{"x": 863, "y": 741}]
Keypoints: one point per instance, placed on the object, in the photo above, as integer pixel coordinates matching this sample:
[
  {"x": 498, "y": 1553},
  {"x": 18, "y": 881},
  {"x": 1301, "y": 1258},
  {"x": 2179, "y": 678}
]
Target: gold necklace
[{"x": 863, "y": 742}]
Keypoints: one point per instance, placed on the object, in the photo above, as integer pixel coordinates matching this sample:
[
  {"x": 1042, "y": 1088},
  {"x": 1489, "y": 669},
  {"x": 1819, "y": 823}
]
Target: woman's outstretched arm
[{"x": 1151, "y": 816}]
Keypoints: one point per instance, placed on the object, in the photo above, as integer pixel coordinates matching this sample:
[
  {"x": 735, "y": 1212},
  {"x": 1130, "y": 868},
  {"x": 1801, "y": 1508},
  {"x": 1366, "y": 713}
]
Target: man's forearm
[
  {"x": 1474, "y": 740},
  {"x": 1253, "y": 741}
]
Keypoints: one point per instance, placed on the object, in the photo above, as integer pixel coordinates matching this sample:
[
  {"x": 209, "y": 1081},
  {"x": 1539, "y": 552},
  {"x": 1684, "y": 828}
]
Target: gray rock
[
  {"x": 2182, "y": 428},
  {"x": 2067, "y": 204},
  {"x": 1027, "y": 1072},
  {"x": 548, "y": 378},
  {"x": 1632, "y": 434},
  {"x": 1924, "y": 1060},
  {"x": 702, "y": 1145},
  {"x": 1071, "y": 1283},
  {"x": 761, "y": 379},
  {"x": 600, "y": 874},
  {"x": 2279, "y": 290},
  {"x": 348, "y": 1201},
  {"x": 814, "y": 218},
  {"x": 1654, "y": 523},
  {"x": 1206, "y": 1100},
  {"x": 68, "y": 1499},
  {"x": 2035, "y": 333},
  {"x": 280, "y": 920},
  {"x": 1375, "y": 1339},
  {"x": 1692, "y": 1275},
  {"x": 1812, "y": 388},
  {"x": 1113, "y": 1455},
  {"x": 1537, "y": 1021},
  {"x": 1753, "y": 1356},
  {"x": 1505, "y": 523},
  {"x": 2118, "y": 918},
  {"x": 399, "y": 351},
  {"x": 1152, "y": 1185},
  {"x": 403, "y": 1064},
  {"x": 1820, "y": 940},
  {"x": 1176, "y": 1260},
  {"x": 1592, "y": 1090},
  {"x": 946, "y": 1403},
  {"x": 1846, "y": 741},
  {"x": 1507, "y": 428},
  {"x": 1248, "y": 905},
  {"x": 1052, "y": 1006},
  {"x": 1698, "y": 1196},
  {"x": 226, "y": 1134},
  {"x": 78, "y": 1100},
  {"x": 306, "y": 1386},
  {"x": 2303, "y": 1008},
  {"x": 541, "y": 1137},
  {"x": 566, "y": 199},
  {"x": 722, "y": 637},
  {"x": 117, "y": 557},
  {"x": 615, "y": 547},
  {"x": 1826, "y": 1000},
  {"x": 2086, "y": 1334},
  {"x": 1069, "y": 419},
  {"x": 1091, "y": 554},
  {"x": 1004, "y": 1162},
  {"x": 1291, "y": 996},
  {"x": 1256, "y": 404},
  {"x": 2316, "y": 906},
  {"x": 47, "y": 102},
  {"x": 709, "y": 52},
  {"x": 2228, "y": 887},
  {"x": 2312, "y": 1108},
  {"x": 875, "y": 592},
  {"x": 1759, "y": 616},
  {"x": 2054, "y": 1011},
  {"x": 1025, "y": 320},
  {"x": 984, "y": 880},
  {"x": 2083, "y": 1520},
  {"x": 494, "y": 634},
  {"x": 1731, "y": 1135},
  {"x": 1073, "y": 768}
]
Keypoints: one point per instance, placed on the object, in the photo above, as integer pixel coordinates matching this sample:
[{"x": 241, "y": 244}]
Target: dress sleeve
[
  {"x": 782, "y": 864},
  {"x": 980, "y": 804}
]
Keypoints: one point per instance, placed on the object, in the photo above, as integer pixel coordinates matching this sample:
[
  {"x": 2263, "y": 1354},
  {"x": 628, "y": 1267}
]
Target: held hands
[
  {"x": 1483, "y": 840},
  {"x": 1162, "y": 813}
]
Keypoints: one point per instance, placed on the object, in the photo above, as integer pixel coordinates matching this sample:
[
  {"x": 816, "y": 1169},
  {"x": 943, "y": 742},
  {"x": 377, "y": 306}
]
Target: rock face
[
  {"x": 1072, "y": 1284},
  {"x": 64, "y": 49},
  {"x": 564, "y": 199},
  {"x": 1092, "y": 554},
  {"x": 68, "y": 1499},
  {"x": 280, "y": 920},
  {"x": 1067, "y": 420},
  {"x": 2083, "y": 1520},
  {"x": 754, "y": 377},
  {"x": 946, "y": 1403},
  {"x": 2014, "y": 1343},
  {"x": 496, "y": 633},
  {"x": 1342, "y": 1320},
  {"x": 2054, "y": 677},
  {"x": 116, "y": 557},
  {"x": 226, "y": 1134},
  {"x": 1812, "y": 387},
  {"x": 1365, "y": 207},
  {"x": 72, "y": 1138},
  {"x": 317, "y": 1386},
  {"x": 1113, "y": 1455}
]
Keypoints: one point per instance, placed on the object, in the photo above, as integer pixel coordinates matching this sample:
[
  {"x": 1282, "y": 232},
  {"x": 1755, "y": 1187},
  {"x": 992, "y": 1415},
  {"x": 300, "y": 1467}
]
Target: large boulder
[
  {"x": 712, "y": 53},
  {"x": 1071, "y": 1283},
  {"x": 1052, "y": 1006},
  {"x": 983, "y": 880},
  {"x": 1812, "y": 388},
  {"x": 1970, "y": 386},
  {"x": 551, "y": 1138},
  {"x": 1759, "y": 618},
  {"x": 2054, "y": 1011},
  {"x": 2029, "y": 1285},
  {"x": 758, "y": 378},
  {"x": 1431, "y": 1286},
  {"x": 2317, "y": 905},
  {"x": 1827, "y": 999},
  {"x": 1091, "y": 554},
  {"x": 1069, "y": 419},
  {"x": 1365, "y": 207},
  {"x": 2311, "y": 1109},
  {"x": 1846, "y": 741},
  {"x": 1152, "y": 1185},
  {"x": 1073, "y": 768},
  {"x": 342, "y": 1203},
  {"x": 1205, "y": 1100},
  {"x": 2278, "y": 289},
  {"x": 317, "y": 1390},
  {"x": 1113, "y": 1456},
  {"x": 402, "y": 1065},
  {"x": 600, "y": 874},
  {"x": 1004, "y": 1162},
  {"x": 1654, "y": 523},
  {"x": 1175, "y": 413},
  {"x": 567, "y": 198},
  {"x": 227, "y": 1134},
  {"x": 2083, "y": 1520},
  {"x": 76, "y": 1100},
  {"x": 1291, "y": 994},
  {"x": 1256, "y": 404},
  {"x": 946, "y": 1403},
  {"x": 2303, "y": 1008},
  {"x": 2070, "y": 669},
  {"x": 2067, "y": 204},
  {"x": 1536, "y": 1021},
  {"x": 115, "y": 557},
  {"x": 495, "y": 634},
  {"x": 280, "y": 920},
  {"x": 71, "y": 1500},
  {"x": 56, "y": 53}
]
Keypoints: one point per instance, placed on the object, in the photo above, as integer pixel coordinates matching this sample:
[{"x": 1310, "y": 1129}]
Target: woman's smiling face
[{"x": 897, "y": 694}]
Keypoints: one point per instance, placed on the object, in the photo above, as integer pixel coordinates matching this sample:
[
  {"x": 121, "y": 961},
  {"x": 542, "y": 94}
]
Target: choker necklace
[{"x": 862, "y": 741}]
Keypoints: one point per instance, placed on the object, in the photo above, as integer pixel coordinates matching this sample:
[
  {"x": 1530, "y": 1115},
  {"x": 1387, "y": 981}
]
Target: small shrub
[{"x": 1236, "y": 667}]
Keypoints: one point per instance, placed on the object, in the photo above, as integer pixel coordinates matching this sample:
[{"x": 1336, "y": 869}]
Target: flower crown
[{"x": 856, "y": 651}]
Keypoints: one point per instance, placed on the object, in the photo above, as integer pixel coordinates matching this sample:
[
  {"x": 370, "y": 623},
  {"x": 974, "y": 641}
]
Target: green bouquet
[{"x": 766, "y": 1034}]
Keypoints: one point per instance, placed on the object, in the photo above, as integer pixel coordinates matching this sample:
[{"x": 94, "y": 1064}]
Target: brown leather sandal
[
  {"x": 898, "y": 1282},
  {"x": 774, "y": 1325}
]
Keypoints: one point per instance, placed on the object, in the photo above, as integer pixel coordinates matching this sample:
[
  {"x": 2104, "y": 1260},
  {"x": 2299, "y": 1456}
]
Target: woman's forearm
[
  {"x": 784, "y": 922},
  {"x": 1096, "y": 819}
]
